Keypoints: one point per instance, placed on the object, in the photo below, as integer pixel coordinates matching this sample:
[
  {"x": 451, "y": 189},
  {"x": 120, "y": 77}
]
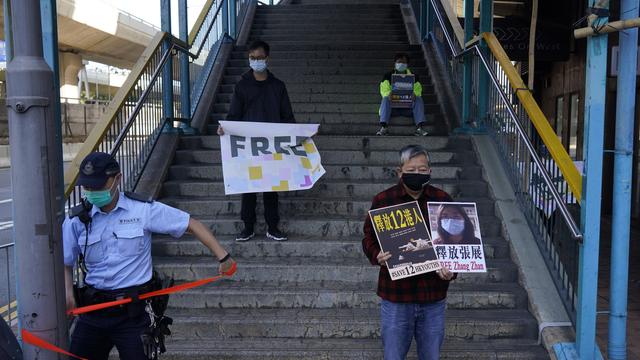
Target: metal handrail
[
  {"x": 136, "y": 110},
  {"x": 573, "y": 227},
  {"x": 566, "y": 215},
  {"x": 201, "y": 46},
  {"x": 538, "y": 119},
  {"x": 100, "y": 130}
]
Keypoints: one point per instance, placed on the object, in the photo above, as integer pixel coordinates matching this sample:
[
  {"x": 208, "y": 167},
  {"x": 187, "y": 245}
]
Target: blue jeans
[
  {"x": 401, "y": 322},
  {"x": 417, "y": 112}
]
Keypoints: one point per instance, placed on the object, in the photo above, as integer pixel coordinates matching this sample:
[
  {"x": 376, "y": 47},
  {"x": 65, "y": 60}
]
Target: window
[
  {"x": 559, "y": 122},
  {"x": 574, "y": 111}
]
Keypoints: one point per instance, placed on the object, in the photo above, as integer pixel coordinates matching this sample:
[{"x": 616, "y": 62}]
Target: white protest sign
[{"x": 264, "y": 157}]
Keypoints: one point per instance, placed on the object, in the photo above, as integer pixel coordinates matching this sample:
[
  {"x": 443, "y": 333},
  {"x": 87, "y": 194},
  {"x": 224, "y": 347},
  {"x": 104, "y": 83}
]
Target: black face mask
[{"x": 415, "y": 181}]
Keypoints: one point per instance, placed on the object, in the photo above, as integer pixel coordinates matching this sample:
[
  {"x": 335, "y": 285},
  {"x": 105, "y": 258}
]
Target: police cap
[{"x": 96, "y": 169}]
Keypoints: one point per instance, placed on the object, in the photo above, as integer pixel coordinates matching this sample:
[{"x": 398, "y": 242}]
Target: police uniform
[{"x": 117, "y": 254}]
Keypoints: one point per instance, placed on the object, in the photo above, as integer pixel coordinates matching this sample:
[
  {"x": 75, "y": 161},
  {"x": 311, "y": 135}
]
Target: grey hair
[{"x": 410, "y": 151}]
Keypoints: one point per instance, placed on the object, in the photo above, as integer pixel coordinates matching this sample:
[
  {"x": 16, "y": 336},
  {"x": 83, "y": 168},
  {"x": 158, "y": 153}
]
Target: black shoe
[
  {"x": 276, "y": 235},
  {"x": 245, "y": 235}
]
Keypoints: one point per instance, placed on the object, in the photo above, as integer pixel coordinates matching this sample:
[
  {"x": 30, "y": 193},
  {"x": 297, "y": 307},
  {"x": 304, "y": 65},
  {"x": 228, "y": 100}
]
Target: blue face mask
[
  {"x": 258, "y": 65},
  {"x": 100, "y": 198},
  {"x": 453, "y": 226},
  {"x": 401, "y": 67}
]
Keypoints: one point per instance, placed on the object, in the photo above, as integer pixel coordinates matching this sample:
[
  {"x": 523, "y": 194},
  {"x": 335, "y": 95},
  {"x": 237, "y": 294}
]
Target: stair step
[
  {"x": 374, "y": 73},
  {"x": 259, "y": 247},
  {"x": 339, "y": 188},
  {"x": 333, "y": 123},
  {"x": 252, "y": 348},
  {"x": 289, "y": 78},
  {"x": 330, "y": 129},
  {"x": 370, "y": 108},
  {"x": 332, "y": 54},
  {"x": 324, "y": 295},
  {"x": 296, "y": 98},
  {"x": 303, "y": 269},
  {"x": 290, "y": 206},
  {"x": 355, "y": 173},
  {"x": 283, "y": 62},
  {"x": 340, "y": 323},
  {"x": 333, "y": 157},
  {"x": 344, "y": 47},
  {"x": 345, "y": 27},
  {"x": 338, "y": 142}
]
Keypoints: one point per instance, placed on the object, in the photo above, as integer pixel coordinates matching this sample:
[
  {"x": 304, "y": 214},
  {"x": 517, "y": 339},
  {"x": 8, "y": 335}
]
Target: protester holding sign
[
  {"x": 392, "y": 83},
  {"x": 413, "y": 306},
  {"x": 260, "y": 97}
]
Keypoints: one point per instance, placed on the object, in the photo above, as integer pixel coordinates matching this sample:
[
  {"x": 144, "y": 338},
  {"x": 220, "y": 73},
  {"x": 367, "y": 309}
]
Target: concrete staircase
[{"x": 313, "y": 297}]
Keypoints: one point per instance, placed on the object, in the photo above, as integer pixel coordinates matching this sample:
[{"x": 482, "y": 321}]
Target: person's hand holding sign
[
  {"x": 383, "y": 257},
  {"x": 444, "y": 273},
  {"x": 220, "y": 130}
]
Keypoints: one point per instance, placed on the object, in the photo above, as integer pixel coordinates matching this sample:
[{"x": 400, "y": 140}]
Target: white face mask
[
  {"x": 402, "y": 67},
  {"x": 258, "y": 65},
  {"x": 452, "y": 226}
]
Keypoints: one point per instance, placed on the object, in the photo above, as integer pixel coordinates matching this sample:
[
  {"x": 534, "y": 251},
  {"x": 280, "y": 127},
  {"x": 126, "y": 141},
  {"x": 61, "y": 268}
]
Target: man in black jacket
[{"x": 259, "y": 96}]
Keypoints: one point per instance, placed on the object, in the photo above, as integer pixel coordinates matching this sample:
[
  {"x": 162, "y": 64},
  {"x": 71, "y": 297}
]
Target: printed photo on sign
[
  {"x": 402, "y": 231},
  {"x": 265, "y": 157},
  {"x": 455, "y": 230}
]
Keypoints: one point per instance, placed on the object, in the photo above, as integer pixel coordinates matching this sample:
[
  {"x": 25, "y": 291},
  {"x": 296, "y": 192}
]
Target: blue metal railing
[
  {"x": 541, "y": 189},
  {"x": 215, "y": 29}
]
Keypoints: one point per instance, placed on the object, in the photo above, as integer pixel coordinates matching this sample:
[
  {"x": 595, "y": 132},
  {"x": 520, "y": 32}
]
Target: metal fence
[
  {"x": 8, "y": 304},
  {"x": 542, "y": 190}
]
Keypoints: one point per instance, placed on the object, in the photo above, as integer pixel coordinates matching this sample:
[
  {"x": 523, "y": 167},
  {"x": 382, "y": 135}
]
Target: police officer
[{"x": 115, "y": 246}]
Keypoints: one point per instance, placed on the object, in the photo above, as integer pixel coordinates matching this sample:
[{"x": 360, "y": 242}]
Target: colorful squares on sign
[
  {"x": 277, "y": 156},
  {"x": 255, "y": 172},
  {"x": 284, "y": 186},
  {"x": 309, "y": 147},
  {"x": 305, "y": 162}
]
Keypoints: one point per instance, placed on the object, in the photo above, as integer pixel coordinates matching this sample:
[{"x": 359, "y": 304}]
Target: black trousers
[
  {"x": 248, "y": 212},
  {"x": 95, "y": 335}
]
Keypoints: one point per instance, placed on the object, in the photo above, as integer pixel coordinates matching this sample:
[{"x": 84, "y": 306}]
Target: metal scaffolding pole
[
  {"x": 37, "y": 168},
  {"x": 595, "y": 94},
  {"x": 622, "y": 179}
]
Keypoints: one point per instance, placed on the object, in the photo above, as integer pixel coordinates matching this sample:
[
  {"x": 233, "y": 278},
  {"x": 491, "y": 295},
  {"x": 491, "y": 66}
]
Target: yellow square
[
  {"x": 284, "y": 186},
  {"x": 255, "y": 172},
  {"x": 309, "y": 147},
  {"x": 305, "y": 162},
  {"x": 277, "y": 156}
]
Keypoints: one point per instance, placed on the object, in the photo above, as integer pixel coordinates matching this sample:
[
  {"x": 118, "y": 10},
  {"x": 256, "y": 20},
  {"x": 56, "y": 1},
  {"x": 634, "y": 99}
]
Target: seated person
[{"x": 386, "y": 111}]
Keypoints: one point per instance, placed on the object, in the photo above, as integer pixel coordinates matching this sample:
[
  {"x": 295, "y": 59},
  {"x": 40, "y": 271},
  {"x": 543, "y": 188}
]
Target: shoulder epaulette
[{"x": 138, "y": 197}]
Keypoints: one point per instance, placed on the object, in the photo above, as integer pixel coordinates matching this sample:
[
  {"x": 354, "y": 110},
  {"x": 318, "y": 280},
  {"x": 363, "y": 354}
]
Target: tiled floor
[{"x": 633, "y": 323}]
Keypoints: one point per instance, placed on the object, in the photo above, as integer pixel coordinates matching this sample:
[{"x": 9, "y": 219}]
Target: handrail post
[
  {"x": 468, "y": 67},
  {"x": 167, "y": 73},
  {"x": 233, "y": 13},
  {"x": 225, "y": 16},
  {"x": 623, "y": 166},
  {"x": 185, "y": 88},
  {"x": 428, "y": 16},
  {"x": 486, "y": 25},
  {"x": 595, "y": 94}
]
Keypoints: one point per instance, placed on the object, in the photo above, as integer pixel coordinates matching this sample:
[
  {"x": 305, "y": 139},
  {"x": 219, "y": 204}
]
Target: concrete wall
[{"x": 77, "y": 119}]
